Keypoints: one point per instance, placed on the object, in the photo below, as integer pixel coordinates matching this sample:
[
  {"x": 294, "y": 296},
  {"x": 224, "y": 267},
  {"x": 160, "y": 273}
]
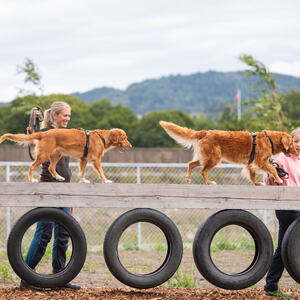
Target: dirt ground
[
  {"x": 161, "y": 293},
  {"x": 98, "y": 283},
  {"x": 96, "y": 273}
]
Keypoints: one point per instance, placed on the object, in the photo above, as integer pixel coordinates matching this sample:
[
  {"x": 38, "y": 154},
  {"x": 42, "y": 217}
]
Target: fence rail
[
  {"x": 161, "y": 186},
  {"x": 159, "y": 196}
]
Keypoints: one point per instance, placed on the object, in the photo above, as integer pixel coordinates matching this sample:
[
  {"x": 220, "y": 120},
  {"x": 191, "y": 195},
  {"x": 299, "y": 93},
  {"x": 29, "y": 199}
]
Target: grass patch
[{"x": 182, "y": 279}]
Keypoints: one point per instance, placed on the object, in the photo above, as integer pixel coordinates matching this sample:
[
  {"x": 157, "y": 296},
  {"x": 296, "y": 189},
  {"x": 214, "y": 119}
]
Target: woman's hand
[{"x": 34, "y": 114}]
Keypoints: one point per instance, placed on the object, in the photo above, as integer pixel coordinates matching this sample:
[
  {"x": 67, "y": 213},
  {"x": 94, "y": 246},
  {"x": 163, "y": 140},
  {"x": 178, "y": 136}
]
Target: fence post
[
  {"x": 7, "y": 208},
  {"x": 139, "y": 229}
]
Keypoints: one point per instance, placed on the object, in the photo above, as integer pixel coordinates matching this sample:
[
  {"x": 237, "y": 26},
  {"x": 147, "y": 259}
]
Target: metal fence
[{"x": 134, "y": 173}]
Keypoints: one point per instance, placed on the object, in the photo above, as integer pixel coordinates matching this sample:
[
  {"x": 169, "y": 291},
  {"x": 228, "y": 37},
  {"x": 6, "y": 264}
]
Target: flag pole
[{"x": 239, "y": 107}]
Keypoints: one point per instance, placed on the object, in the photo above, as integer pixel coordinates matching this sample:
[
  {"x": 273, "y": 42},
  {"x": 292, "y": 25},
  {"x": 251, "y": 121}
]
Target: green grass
[
  {"x": 238, "y": 244},
  {"x": 6, "y": 272},
  {"x": 160, "y": 247},
  {"x": 182, "y": 279},
  {"x": 232, "y": 238},
  {"x": 130, "y": 243}
]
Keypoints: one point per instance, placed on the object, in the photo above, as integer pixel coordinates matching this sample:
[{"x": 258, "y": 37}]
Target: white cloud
[
  {"x": 83, "y": 44},
  {"x": 285, "y": 67}
]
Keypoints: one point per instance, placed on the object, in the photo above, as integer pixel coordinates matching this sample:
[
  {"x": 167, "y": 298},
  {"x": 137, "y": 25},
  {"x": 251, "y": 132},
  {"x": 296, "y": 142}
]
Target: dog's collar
[
  {"x": 272, "y": 146},
  {"x": 101, "y": 137}
]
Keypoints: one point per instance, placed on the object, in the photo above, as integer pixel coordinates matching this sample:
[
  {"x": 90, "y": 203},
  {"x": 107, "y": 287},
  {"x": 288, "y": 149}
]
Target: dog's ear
[
  {"x": 113, "y": 136},
  {"x": 286, "y": 142}
]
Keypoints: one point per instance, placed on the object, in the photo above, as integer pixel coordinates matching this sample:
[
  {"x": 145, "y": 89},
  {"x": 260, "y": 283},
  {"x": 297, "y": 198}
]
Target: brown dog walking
[
  {"x": 52, "y": 144},
  {"x": 241, "y": 147}
]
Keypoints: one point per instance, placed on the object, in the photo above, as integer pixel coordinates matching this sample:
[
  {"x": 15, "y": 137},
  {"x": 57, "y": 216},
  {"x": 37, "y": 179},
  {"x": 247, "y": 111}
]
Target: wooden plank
[{"x": 149, "y": 195}]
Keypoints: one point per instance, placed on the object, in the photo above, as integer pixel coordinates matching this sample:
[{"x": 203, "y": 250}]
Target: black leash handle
[
  {"x": 280, "y": 171},
  {"x": 34, "y": 124}
]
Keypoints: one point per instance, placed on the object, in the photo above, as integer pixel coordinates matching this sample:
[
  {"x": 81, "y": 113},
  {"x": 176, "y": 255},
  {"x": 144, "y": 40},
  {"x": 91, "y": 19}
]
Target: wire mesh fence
[{"x": 144, "y": 237}]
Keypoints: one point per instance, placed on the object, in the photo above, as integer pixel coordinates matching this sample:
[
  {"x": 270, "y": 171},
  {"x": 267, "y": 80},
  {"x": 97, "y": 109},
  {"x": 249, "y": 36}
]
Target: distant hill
[{"x": 200, "y": 92}]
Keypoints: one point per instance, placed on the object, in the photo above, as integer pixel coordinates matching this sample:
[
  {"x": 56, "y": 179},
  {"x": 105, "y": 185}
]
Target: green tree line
[
  {"x": 144, "y": 131},
  {"x": 270, "y": 110}
]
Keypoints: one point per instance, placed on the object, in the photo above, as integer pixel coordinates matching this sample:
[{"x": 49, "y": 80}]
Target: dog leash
[
  {"x": 280, "y": 171},
  {"x": 34, "y": 125}
]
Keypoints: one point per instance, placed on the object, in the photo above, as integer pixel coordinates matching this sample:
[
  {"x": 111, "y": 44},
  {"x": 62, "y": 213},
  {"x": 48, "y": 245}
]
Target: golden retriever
[
  {"x": 54, "y": 143},
  {"x": 210, "y": 146}
]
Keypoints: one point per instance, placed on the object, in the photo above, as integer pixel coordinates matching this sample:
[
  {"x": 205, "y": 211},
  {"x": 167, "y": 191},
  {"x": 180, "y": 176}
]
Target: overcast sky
[{"x": 79, "y": 45}]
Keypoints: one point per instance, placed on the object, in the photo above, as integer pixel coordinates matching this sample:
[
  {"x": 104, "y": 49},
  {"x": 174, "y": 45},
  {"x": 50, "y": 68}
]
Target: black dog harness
[
  {"x": 87, "y": 143},
  {"x": 270, "y": 142},
  {"x": 252, "y": 154},
  {"x": 102, "y": 138}
]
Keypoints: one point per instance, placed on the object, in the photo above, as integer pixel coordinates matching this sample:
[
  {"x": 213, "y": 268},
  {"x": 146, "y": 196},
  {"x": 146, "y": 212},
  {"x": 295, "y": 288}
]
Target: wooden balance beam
[{"x": 157, "y": 196}]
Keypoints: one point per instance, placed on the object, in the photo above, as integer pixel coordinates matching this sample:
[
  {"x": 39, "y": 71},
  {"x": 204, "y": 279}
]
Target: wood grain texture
[{"x": 157, "y": 196}]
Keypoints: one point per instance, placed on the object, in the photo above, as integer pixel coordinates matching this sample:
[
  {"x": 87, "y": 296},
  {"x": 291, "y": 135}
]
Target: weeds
[
  {"x": 6, "y": 273},
  {"x": 160, "y": 247},
  {"x": 182, "y": 279}
]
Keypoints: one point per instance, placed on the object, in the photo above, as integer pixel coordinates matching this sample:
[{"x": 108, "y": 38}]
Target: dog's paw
[
  {"x": 211, "y": 183},
  {"x": 188, "y": 180},
  {"x": 83, "y": 180},
  {"x": 34, "y": 180},
  {"x": 59, "y": 178},
  {"x": 258, "y": 183},
  {"x": 108, "y": 181}
]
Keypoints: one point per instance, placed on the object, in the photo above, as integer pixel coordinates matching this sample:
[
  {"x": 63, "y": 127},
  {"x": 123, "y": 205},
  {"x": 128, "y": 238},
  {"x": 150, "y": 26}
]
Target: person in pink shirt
[{"x": 290, "y": 164}]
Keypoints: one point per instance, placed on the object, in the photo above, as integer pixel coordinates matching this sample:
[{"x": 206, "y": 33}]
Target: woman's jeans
[
  {"x": 285, "y": 218},
  {"x": 42, "y": 237}
]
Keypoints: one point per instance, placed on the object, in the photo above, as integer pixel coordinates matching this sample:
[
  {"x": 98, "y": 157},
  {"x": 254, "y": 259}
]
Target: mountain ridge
[{"x": 202, "y": 92}]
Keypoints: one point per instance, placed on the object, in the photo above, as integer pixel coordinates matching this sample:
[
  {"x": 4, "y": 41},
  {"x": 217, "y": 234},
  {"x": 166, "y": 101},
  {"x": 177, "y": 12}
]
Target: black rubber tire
[
  {"x": 174, "y": 252},
  {"x": 290, "y": 249},
  {"x": 79, "y": 248},
  {"x": 263, "y": 249}
]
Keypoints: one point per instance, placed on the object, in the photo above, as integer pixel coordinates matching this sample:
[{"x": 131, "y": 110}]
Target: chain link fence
[{"x": 144, "y": 236}]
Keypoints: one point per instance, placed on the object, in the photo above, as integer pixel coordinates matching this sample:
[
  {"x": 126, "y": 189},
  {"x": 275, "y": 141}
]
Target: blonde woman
[{"x": 58, "y": 116}]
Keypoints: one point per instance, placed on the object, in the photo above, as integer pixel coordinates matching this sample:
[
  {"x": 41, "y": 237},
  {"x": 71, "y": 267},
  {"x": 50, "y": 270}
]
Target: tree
[
  {"x": 202, "y": 123},
  {"x": 150, "y": 134},
  {"x": 291, "y": 107},
  {"x": 249, "y": 120},
  {"x": 268, "y": 106},
  {"x": 80, "y": 109},
  {"x": 15, "y": 116},
  {"x": 32, "y": 75},
  {"x": 109, "y": 116}
]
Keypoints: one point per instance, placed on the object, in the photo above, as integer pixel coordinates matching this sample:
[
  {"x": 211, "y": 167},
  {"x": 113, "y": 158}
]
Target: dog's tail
[
  {"x": 182, "y": 135},
  {"x": 21, "y": 138}
]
